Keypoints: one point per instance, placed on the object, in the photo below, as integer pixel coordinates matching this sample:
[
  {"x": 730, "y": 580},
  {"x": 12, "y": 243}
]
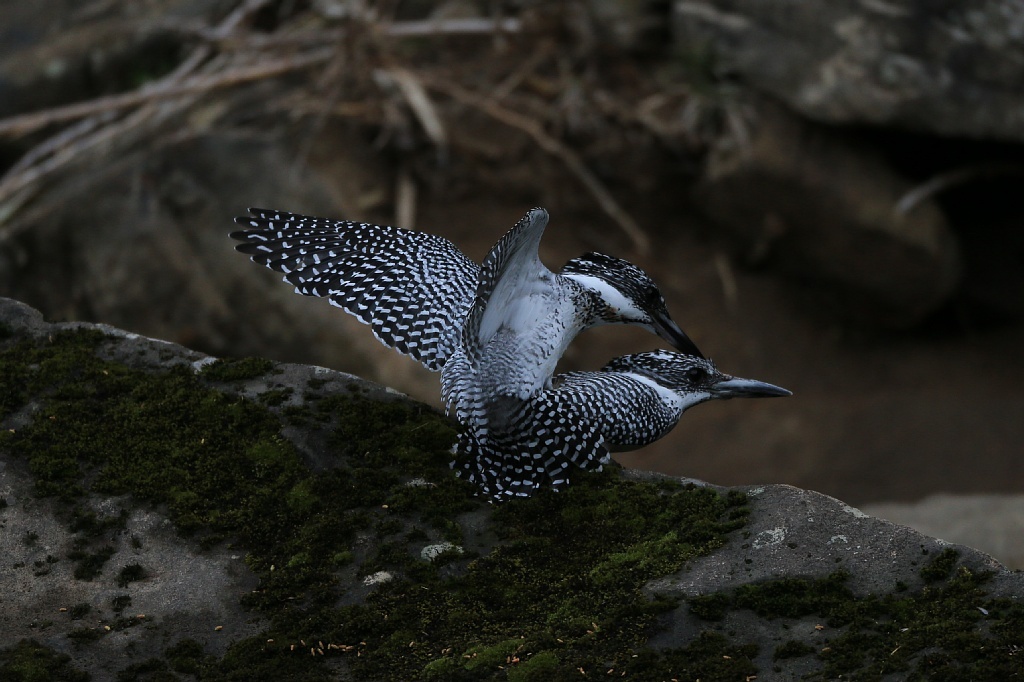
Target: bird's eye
[{"x": 696, "y": 375}]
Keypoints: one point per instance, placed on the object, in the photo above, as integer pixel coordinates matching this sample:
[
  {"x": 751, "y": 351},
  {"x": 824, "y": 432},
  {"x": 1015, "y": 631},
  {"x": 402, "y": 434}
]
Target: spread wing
[
  {"x": 507, "y": 274},
  {"x": 413, "y": 289}
]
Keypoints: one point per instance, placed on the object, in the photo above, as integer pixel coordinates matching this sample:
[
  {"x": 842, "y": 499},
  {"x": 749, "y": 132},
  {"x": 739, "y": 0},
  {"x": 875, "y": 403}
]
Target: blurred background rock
[{"x": 828, "y": 195}]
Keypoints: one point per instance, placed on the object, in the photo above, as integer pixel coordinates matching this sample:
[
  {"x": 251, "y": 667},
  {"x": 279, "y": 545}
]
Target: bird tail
[
  {"x": 500, "y": 473},
  {"x": 508, "y": 468}
]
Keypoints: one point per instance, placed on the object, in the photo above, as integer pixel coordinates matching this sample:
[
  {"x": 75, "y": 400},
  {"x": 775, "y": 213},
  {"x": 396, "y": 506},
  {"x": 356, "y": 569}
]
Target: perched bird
[
  {"x": 415, "y": 290},
  {"x": 631, "y": 402},
  {"x": 495, "y": 331}
]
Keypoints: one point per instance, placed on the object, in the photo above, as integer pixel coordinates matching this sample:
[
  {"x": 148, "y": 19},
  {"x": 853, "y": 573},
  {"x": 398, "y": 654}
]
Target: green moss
[
  {"x": 131, "y": 573},
  {"x": 30, "y": 661},
  {"x": 792, "y": 649},
  {"x": 941, "y": 566},
  {"x": 253, "y": 659},
  {"x": 29, "y": 367},
  {"x": 491, "y": 656},
  {"x": 241, "y": 369},
  {"x": 150, "y": 670},
  {"x": 91, "y": 525},
  {"x": 710, "y": 656},
  {"x": 90, "y": 564},
  {"x": 440, "y": 669},
  {"x": 163, "y": 437},
  {"x": 120, "y": 603},
  {"x": 186, "y": 656},
  {"x": 567, "y": 583},
  {"x": 79, "y": 611},
  {"x": 85, "y": 635},
  {"x": 537, "y": 668},
  {"x": 796, "y": 597},
  {"x": 275, "y": 397},
  {"x": 562, "y": 591},
  {"x": 710, "y": 606},
  {"x": 948, "y": 630}
]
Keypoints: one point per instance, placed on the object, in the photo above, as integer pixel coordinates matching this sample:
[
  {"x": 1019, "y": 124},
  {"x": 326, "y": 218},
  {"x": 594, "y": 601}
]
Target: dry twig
[
  {"x": 730, "y": 291},
  {"x": 405, "y": 199},
  {"x": 101, "y": 125},
  {"x": 27, "y": 123},
  {"x": 948, "y": 179},
  {"x": 554, "y": 147},
  {"x": 419, "y": 101},
  {"x": 453, "y": 26}
]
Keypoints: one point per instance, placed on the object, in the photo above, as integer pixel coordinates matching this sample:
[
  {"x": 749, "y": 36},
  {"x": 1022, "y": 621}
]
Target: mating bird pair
[{"x": 496, "y": 331}]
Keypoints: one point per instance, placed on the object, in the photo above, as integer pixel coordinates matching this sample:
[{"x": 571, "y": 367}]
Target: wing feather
[
  {"x": 414, "y": 289},
  {"x": 504, "y": 279}
]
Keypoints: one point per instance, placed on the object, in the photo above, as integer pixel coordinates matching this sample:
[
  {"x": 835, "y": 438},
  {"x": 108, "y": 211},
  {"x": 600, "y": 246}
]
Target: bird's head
[
  {"x": 693, "y": 379},
  {"x": 628, "y": 295}
]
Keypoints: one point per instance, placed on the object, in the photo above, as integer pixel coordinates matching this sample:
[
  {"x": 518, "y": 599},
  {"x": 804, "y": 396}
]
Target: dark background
[{"x": 829, "y": 199}]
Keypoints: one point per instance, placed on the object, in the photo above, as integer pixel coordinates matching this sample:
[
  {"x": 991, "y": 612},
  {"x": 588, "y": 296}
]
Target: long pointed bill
[
  {"x": 670, "y": 331},
  {"x": 747, "y": 388}
]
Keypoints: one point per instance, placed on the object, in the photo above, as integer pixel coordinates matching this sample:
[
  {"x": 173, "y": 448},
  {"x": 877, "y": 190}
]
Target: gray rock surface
[
  {"x": 796, "y": 533},
  {"x": 188, "y": 591},
  {"x": 953, "y": 69},
  {"x": 992, "y": 523}
]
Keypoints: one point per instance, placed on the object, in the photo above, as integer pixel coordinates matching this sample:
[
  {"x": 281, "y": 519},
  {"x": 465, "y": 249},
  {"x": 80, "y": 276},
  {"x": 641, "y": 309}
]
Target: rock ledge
[{"x": 168, "y": 516}]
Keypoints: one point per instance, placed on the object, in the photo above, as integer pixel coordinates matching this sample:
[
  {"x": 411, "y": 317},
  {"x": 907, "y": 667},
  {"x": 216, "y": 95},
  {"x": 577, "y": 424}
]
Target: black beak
[
  {"x": 670, "y": 331},
  {"x": 732, "y": 387}
]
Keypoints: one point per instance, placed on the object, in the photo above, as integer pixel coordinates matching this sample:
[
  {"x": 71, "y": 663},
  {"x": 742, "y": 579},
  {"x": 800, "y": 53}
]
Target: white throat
[
  {"x": 672, "y": 399},
  {"x": 611, "y": 296}
]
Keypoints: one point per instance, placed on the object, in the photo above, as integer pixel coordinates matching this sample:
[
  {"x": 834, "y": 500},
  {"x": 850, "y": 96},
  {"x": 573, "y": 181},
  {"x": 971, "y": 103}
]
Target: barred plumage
[
  {"x": 631, "y": 402},
  {"x": 413, "y": 289},
  {"x": 495, "y": 332}
]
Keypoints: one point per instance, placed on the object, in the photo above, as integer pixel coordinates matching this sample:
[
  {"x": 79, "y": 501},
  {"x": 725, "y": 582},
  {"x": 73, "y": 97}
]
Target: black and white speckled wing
[
  {"x": 413, "y": 289},
  {"x": 508, "y": 275}
]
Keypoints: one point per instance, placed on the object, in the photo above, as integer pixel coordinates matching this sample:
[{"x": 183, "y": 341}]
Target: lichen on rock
[{"x": 174, "y": 518}]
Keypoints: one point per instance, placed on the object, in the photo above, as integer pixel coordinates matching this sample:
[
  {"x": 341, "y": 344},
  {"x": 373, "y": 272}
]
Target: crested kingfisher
[
  {"x": 523, "y": 445},
  {"x": 496, "y": 331}
]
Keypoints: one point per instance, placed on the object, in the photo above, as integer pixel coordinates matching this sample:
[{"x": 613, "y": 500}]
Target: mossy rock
[{"x": 332, "y": 495}]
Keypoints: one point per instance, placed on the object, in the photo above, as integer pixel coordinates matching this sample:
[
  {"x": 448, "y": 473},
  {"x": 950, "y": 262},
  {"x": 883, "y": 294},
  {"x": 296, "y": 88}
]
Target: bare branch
[
  {"x": 419, "y": 101},
  {"x": 27, "y": 123},
  {"x": 441, "y": 27},
  {"x": 554, "y": 147},
  {"x": 948, "y": 179}
]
